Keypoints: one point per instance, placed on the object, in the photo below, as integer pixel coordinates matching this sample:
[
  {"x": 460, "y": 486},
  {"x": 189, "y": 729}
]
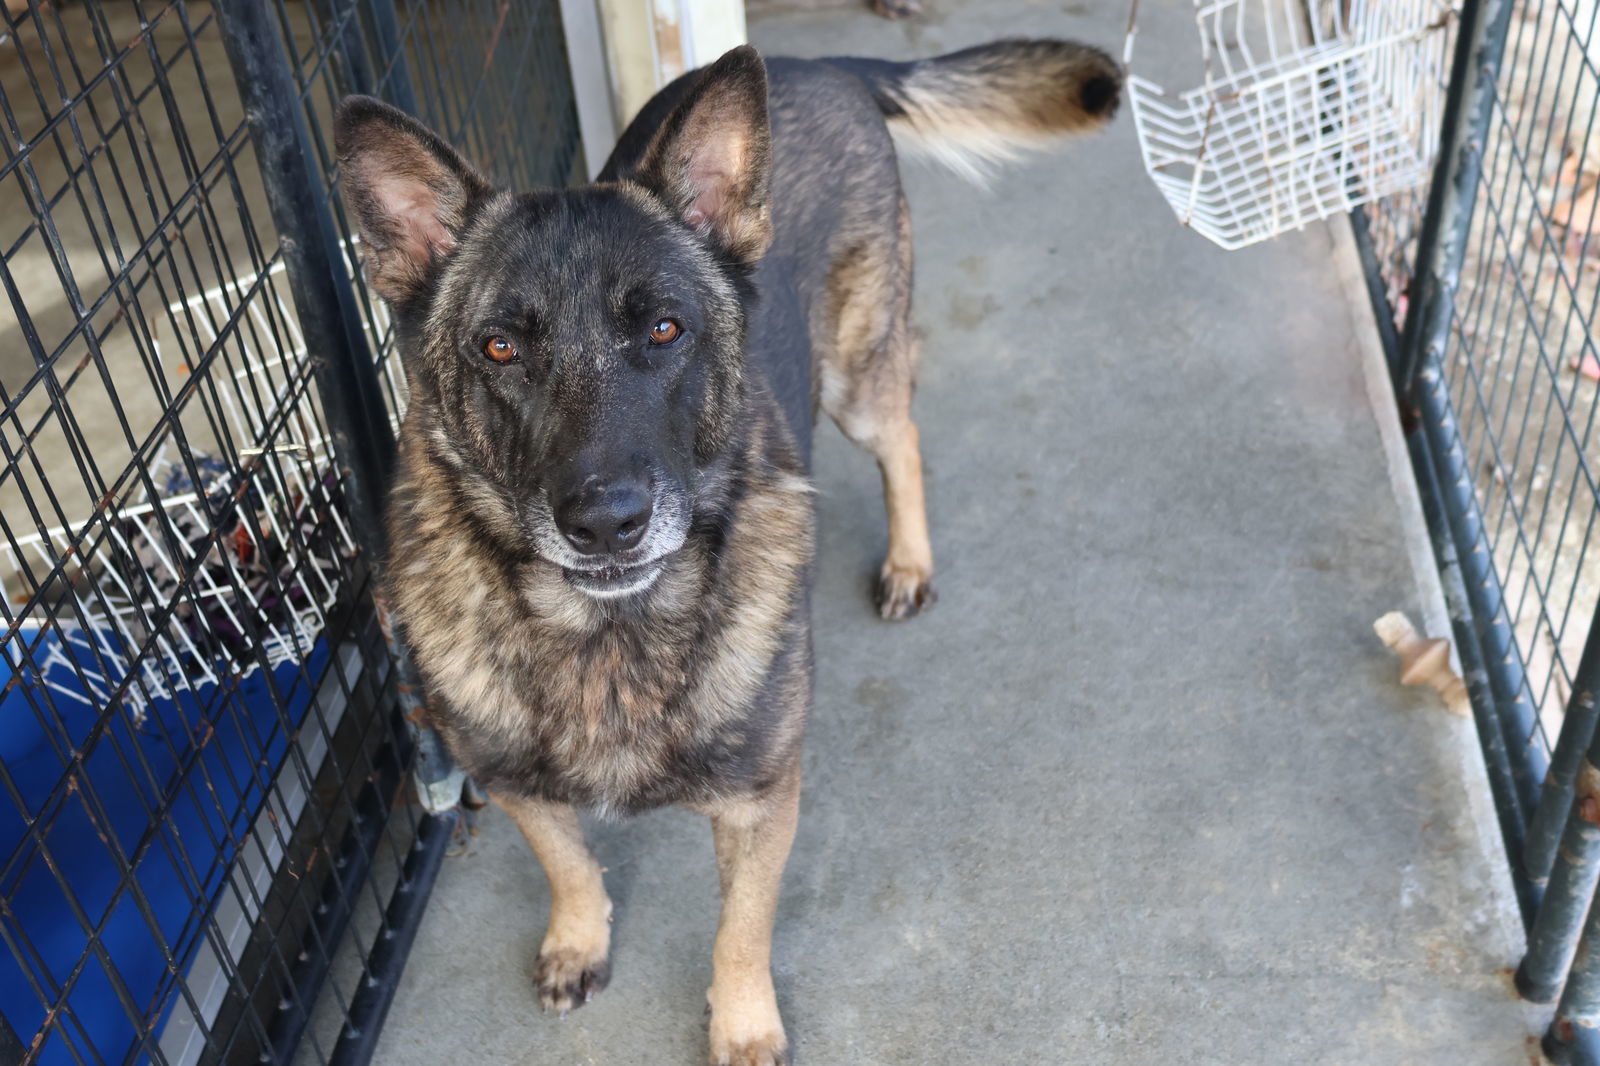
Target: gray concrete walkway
[{"x": 1141, "y": 790}]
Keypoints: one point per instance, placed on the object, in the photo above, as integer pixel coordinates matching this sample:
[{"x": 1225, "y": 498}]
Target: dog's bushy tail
[{"x": 983, "y": 106}]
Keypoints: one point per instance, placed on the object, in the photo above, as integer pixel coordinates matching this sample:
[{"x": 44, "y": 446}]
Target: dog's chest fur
[{"x": 695, "y": 690}]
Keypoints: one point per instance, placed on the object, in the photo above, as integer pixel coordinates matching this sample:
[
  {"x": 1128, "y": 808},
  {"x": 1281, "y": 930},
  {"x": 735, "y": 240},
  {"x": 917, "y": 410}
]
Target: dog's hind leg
[
  {"x": 752, "y": 839},
  {"x": 573, "y": 959},
  {"x": 905, "y": 584},
  {"x": 868, "y": 372}
]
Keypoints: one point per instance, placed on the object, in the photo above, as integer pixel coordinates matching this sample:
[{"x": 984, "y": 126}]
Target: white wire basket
[
  {"x": 229, "y": 614},
  {"x": 1308, "y": 108}
]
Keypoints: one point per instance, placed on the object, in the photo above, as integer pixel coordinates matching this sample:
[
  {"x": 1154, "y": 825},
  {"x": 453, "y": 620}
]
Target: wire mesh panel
[
  {"x": 1523, "y": 370},
  {"x": 1518, "y": 365},
  {"x": 206, "y": 834}
]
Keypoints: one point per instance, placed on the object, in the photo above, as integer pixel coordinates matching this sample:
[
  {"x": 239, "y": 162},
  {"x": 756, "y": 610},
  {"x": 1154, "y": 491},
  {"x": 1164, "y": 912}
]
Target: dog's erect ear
[
  {"x": 409, "y": 191},
  {"x": 712, "y": 158}
]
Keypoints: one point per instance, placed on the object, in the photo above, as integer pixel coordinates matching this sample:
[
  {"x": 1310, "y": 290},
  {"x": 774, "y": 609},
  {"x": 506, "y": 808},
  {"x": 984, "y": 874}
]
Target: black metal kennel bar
[
  {"x": 224, "y": 813},
  {"x": 351, "y": 394},
  {"x": 1484, "y": 287},
  {"x": 323, "y": 299},
  {"x": 1493, "y": 673}
]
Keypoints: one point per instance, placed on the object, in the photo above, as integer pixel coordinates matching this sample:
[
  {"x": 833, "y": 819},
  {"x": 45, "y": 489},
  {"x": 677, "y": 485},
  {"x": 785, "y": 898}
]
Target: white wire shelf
[{"x": 1306, "y": 110}]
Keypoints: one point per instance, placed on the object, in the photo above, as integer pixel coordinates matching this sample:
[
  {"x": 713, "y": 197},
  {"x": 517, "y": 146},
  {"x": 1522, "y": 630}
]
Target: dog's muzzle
[{"x": 611, "y": 540}]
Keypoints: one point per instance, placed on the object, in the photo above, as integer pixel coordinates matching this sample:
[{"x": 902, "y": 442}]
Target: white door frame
[{"x": 622, "y": 51}]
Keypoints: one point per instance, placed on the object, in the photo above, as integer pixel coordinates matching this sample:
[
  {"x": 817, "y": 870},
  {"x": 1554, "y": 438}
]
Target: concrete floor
[{"x": 1142, "y": 788}]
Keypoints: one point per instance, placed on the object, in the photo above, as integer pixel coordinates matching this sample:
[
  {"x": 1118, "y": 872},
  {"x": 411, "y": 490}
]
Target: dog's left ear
[
  {"x": 713, "y": 156},
  {"x": 410, "y": 192}
]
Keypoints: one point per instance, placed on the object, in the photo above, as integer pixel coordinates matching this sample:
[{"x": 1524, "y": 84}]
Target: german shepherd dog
[{"x": 602, "y": 531}]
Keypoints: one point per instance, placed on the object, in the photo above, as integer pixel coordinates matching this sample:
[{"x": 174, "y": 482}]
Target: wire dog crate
[
  {"x": 264, "y": 588},
  {"x": 1307, "y": 109},
  {"x": 211, "y": 851}
]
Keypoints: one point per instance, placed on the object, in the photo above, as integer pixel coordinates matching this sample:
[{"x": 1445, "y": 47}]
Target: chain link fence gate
[
  {"x": 1486, "y": 287},
  {"x": 209, "y": 846}
]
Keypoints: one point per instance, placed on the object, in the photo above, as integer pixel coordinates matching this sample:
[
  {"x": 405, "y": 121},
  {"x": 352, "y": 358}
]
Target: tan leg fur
[
  {"x": 573, "y": 959},
  {"x": 868, "y": 370},
  {"x": 752, "y": 839}
]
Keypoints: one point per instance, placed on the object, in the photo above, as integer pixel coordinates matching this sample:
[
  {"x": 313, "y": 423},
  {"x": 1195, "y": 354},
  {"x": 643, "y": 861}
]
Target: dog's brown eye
[
  {"x": 499, "y": 349},
  {"x": 665, "y": 332}
]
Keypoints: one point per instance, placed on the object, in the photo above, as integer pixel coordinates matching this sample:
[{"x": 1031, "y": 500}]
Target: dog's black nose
[{"x": 605, "y": 521}]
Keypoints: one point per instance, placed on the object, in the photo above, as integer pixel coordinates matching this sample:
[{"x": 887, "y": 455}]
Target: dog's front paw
[
  {"x": 746, "y": 1029},
  {"x": 568, "y": 978},
  {"x": 904, "y": 591},
  {"x": 770, "y": 1050}
]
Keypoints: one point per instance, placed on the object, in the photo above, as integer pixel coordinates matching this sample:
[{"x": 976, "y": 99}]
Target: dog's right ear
[{"x": 411, "y": 193}]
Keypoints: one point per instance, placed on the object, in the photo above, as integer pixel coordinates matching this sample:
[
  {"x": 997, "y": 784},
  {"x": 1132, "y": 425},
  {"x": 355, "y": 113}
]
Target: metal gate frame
[
  {"x": 364, "y": 445},
  {"x": 1547, "y": 798}
]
